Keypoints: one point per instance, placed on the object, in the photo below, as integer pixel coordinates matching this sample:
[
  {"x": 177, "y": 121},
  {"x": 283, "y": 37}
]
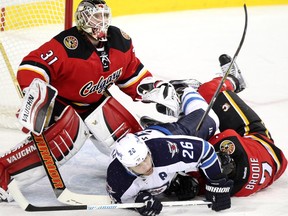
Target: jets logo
[
  {"x": 173, "y": 148},
  {"x": 70, "y": 42}
]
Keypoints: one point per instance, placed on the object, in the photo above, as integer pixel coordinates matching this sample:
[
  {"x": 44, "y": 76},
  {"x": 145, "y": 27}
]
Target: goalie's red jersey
[{"x": 79, "y": 71}]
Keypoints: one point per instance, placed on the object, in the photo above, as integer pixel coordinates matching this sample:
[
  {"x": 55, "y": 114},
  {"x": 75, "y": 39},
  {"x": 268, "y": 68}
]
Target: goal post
[{"x": 24, "y": 26}]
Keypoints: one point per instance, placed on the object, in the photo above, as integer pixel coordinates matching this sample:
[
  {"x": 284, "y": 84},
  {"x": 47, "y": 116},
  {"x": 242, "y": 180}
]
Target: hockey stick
[
  {"x": 61, "y": 192},
  {"x": 24, "y": 203},
  {"x": 226, "y": 74},
  {"x": 10, "y": 69}
]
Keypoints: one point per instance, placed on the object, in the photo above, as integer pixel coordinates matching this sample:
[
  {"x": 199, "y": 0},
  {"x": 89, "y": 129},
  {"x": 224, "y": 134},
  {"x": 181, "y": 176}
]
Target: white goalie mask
[
  {"x": 131, "y": 150},
  {"x": 94, "y": 18}
]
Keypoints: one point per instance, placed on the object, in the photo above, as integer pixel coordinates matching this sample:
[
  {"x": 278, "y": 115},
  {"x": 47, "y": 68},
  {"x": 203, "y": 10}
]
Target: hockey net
[{"x": 25, "y": 25}]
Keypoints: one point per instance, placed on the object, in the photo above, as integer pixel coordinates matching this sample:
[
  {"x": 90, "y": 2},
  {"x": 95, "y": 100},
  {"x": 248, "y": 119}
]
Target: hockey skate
[
  {"x": 235, "y": 75},
  {"x": 180, "y": 85},
  {"x": 5, "y": 196}
]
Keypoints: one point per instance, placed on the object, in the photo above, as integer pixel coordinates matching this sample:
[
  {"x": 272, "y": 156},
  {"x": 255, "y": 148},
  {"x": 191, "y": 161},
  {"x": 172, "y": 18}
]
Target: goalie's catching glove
[
  {"x": 185, "y": 187},
  {"x": 152, "y": 205},
  {"x": 162, "y": 93},
  {"x": 218, "y": 192}
]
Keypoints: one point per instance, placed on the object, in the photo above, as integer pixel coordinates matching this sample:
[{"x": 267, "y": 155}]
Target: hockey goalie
[
  {"x": 67, "y": 133},
  {"x": 65, "y": 136}
]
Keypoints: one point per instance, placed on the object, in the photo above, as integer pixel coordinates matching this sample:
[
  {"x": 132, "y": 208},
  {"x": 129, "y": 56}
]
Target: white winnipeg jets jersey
[{"x": 170, "y": 154}]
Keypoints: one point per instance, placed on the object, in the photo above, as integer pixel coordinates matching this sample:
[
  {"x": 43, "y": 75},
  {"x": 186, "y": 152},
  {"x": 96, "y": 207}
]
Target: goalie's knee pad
[
  {"x": 67, "y": 135},
  {"x": 64, "y": 138},
  {"x": 109, "y": 122}
]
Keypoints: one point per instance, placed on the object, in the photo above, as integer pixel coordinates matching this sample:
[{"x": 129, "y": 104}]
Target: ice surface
[{"x": 187, "y": 45}]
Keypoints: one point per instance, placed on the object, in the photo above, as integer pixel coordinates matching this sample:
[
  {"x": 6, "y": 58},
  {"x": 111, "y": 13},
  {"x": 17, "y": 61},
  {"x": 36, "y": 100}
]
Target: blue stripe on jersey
[
  {"x": 193, "y": 96},
  {"x": 209, "y": 156},
  {"x": 161, "y": 129}
]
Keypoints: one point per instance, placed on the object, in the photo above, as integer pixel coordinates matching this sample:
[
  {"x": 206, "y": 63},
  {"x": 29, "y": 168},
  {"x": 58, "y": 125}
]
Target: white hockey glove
[
  {"x": 36, "y": 106},
  {"x": 162, "y": 93}
]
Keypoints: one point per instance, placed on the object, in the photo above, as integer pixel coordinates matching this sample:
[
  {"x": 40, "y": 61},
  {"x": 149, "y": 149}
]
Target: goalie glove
[
  {"x": 37, "y": 104},
  {"x": 218, "y": 192},
  {"x": 162, "y": 93}
]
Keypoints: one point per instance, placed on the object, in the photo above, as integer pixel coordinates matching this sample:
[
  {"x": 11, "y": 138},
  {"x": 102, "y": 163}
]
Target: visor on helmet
[{"x": 94, "y": 19}]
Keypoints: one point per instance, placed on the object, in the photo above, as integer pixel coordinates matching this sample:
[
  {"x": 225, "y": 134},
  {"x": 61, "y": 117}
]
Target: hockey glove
[
  {"x": 152, "y": 205},
  {"x": 184, "y": 187},
  {"x": 37, "y": 106},
  {"x": 165, "y": 97},
  {"x": 218, "y": 192}
]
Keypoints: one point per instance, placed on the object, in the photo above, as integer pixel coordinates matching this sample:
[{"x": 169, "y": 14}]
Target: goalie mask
[
  {"x": 134, "y": 154},
  {"x": 94, "y": 18}
]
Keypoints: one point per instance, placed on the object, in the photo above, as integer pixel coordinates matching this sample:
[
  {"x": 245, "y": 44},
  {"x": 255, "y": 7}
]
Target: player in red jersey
[
  {"x": 85, "y": 60},
  {"x": 246, "y": 151},
  {"x": 244, "y": 145}
]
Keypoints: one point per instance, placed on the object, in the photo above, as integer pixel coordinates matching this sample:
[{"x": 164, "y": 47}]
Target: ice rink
[{"x": 182, "y": 45}]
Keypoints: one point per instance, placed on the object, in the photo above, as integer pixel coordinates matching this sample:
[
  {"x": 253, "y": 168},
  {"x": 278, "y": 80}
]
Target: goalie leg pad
[
  {"x": 67, "y": 135},
  {"x": 64, "y": 138},
  {"x": 109, "y": 122}
]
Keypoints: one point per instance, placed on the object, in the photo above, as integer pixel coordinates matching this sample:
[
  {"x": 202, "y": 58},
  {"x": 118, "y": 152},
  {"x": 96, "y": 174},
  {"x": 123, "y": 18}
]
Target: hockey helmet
[
  {"x": 94, "y": 18},
  {"x": 131, "y": 150}
]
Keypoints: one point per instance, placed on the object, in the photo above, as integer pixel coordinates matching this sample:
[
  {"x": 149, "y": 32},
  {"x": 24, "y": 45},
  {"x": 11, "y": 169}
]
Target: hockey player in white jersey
[{"x": 147, "y": 163}]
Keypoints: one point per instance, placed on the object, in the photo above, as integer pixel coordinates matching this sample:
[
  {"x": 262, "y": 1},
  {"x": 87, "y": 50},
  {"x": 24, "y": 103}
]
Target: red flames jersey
[
  {"x": 258, "y": 161},
  {"x": 79, "y": 71}
]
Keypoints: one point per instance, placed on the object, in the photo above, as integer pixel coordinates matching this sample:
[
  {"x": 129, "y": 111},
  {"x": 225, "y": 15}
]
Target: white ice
[{"x": 187, "y": 45}]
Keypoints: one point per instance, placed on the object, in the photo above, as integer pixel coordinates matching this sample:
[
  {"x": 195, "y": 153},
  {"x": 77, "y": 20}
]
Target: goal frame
[{"x": 67, "y": 23}]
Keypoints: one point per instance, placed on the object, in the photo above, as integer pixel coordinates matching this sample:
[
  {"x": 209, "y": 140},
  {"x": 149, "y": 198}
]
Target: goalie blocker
[{"x": 36, "y": 106}]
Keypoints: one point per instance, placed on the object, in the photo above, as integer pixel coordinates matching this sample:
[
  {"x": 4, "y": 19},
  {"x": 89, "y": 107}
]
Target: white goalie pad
[
  {"x": 65, "y": 138},
  {"x": 37, "y": 102},
  {"x": 109, "y": 122}
]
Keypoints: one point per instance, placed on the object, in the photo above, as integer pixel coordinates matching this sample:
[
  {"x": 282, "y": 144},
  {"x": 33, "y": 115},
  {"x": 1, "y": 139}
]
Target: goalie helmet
[
  {"x": 94, "y": 18},
  {"x": 131, "y": 150}
]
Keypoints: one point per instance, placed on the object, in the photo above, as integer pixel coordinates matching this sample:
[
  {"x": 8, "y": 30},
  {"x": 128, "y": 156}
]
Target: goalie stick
[
  {"x": 61, "y": 192},
  {"x": 225, "y": 75},
  {"x": 24, "y": 203}
]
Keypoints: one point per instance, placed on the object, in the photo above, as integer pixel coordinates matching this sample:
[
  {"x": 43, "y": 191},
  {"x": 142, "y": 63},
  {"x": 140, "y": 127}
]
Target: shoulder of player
[
  {"x": 74, "y": 43},
  {"x": 168, "y": 150},
  {"x": 118, "y": 39},
  {"x": 118, "y": 177}
]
